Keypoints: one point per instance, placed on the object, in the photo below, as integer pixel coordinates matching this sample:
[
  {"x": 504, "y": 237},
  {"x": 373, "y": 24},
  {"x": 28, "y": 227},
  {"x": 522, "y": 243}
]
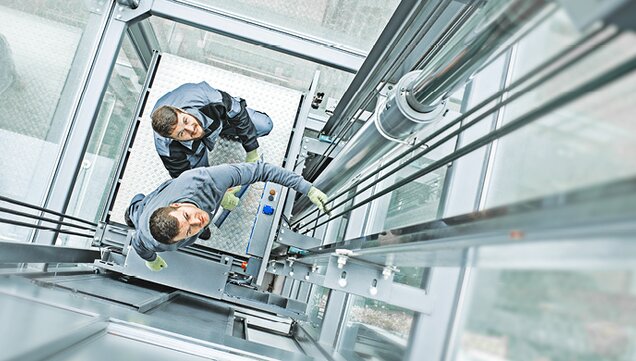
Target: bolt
[
  {"x": 342, "y": 261},
  {"x": 282, "y": 231},
  {"x": 118, "y": 16},
  {"x": 386, "y": 273}
]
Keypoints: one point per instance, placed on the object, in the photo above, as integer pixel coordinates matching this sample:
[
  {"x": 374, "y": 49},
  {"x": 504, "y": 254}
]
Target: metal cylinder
[
  {"x": 469, "y": 49},
  {"x": 419, "y": 97},
  {"x": 390, "y": 125}
]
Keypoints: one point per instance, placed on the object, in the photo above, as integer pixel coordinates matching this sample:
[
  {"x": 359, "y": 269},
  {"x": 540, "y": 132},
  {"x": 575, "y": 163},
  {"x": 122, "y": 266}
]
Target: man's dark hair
[
  {"x": 163, "y": 226},
  {"x": 164, "y": 120}
]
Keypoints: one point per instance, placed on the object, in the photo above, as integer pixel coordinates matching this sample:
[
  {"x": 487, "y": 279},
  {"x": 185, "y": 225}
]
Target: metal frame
[
  {"x": 130, "y": 135},
  {"x": 589, "y": 215},
  {"x": 12, "y": 252},
  {"x": 358, "y": 277},
  {"x": 144, "y": 40},
  {"x": 286, "y": 42},
  {"x": 76, "y": 143},
  {"x": 561, "y": 100}
]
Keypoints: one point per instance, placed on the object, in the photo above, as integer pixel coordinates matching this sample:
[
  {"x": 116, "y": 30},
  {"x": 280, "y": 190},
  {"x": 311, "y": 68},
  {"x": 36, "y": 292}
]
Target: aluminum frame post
[{"x": 84, "y": 120}]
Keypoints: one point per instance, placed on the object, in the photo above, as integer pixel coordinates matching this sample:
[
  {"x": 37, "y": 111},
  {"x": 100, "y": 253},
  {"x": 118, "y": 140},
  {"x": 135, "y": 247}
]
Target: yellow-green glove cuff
[
  {"x": 252, "y": 156},
  {"x": 157, "y": 265}
]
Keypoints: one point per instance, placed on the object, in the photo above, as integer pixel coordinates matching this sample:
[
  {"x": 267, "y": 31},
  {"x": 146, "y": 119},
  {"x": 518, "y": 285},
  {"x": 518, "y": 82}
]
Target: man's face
[
  {"x": 191, "y": 219},
  {"x": 187, "y": 128}
]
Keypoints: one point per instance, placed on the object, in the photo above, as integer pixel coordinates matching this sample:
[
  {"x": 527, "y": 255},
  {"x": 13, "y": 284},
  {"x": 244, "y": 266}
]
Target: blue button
[{"x": 269, "y": 210}]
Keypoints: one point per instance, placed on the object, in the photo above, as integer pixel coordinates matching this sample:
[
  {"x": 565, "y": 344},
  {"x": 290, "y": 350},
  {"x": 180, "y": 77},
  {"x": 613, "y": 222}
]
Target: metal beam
[
  {"x": 579, "y": 225},
  {"x": 144, "y": 41},
  {"x": 229, "y": 25},
  {"x": 11, "y": 252}
]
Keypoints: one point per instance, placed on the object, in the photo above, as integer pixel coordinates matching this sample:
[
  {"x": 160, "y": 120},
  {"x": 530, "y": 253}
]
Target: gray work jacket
[
  {"x": 203, "y": 187},
  {"x": 215, "y": 110}
]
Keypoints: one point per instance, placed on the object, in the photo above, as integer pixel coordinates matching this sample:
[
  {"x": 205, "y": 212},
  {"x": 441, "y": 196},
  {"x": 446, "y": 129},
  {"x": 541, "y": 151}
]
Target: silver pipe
[
  {"x": 469, "y": 49},
  {"x": 419, "y": 97}
]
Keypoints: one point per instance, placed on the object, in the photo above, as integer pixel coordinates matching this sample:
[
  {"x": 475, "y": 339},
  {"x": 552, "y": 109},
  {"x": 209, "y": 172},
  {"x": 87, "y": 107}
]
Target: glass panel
[
  {"x": 316, "y": 310},
  {"x": 247, "y": 59},
  {"x": 376, "y": 330},
  {"x": 354, "y": 23},
  {"x": 417, "y": 201},
  {"x": 584, "y": 143},
  {"x": 550, "y": 315},
  {"x": 104, "y": 150},
  {"x": 40, "y": 42}
]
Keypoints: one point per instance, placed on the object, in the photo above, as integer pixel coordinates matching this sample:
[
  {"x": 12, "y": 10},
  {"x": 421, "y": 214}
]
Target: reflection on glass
[
  {"x": 584, "y": 143},
  {"x": 376, "y": 330},
  {"x": 247, "y": 59},
  {"x": 316, "y": 310},
  {"x": 354, "y": 23},
  {"x": 550, "y": 316},
  {"x": 104, "y": 150},
  {"x": 39, "y": 44},
  {"x": 412, "y": 203}
]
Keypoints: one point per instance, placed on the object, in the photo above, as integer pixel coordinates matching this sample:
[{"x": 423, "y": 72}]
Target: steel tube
[
  {"x": 57, "y": 230},
  {"x": 40, "y": 218},
  {"x": 527, "y": 118},
  {"x": 430, "y": 147},
  {"x": 469, "y": 50},
  {"x": 27, "y": 205}
]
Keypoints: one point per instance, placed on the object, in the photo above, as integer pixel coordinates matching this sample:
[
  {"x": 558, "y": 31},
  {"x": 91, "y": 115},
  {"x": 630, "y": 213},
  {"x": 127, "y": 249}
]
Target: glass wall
[
  {"x": 316, "y": 307},
  {"x": 550, "y": 315},
  {"x": 585, "y": 143},
  {"x": 354, "y": 24},
  {"x": 375, "y": 330},
  {"x": 105, "y": 147},
  {"x": 41, "y": 44},
  {"x": 247, "y": 59}
]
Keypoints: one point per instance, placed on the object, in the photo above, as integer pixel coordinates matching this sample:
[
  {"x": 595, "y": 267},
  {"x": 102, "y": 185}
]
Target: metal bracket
[
  {"x": 350, "y": 275},
  {"x": 179, "y": 263},
  {"x": 290, "y": 238},
  {"x": 298, "y": 271},
  {"x": 313, "y": 145},
  {"x": 129, "y": 10},
  {"x": 110, "y": 234}
]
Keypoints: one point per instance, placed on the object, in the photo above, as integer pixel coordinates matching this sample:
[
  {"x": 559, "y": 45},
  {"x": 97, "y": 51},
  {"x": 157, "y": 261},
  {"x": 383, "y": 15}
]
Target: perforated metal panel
[{"x": 144, "y": 171}]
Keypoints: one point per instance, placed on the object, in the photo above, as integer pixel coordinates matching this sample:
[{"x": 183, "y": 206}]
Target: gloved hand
[
  {"x": 157, "y": 265},
  {"x": 230, "y": 201},
  {"x": 318, "y": 198},
  {"x": 252, "y": 156}
]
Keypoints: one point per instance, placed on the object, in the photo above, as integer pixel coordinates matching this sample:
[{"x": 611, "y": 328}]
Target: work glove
[
  {"x": 318, "y": 198},
  {"x": 252, "y": 156},
  {"x": 157, "y": 265},
  {"x": 230, "y": 201}
]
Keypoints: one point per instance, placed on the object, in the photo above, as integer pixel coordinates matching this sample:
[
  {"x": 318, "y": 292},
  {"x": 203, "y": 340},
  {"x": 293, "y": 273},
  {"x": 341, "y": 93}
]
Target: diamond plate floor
[{"x": 144, "y": 171}]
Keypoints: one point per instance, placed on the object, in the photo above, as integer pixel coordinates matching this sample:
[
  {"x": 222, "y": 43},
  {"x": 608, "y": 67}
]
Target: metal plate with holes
[{"x": 144, "y": 171}]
